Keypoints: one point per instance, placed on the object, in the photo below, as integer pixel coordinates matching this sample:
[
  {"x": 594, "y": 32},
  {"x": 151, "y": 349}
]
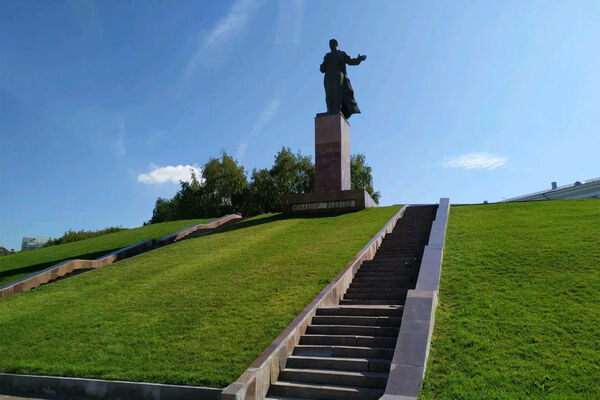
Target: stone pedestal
[
  {"x": 332, "y": 172},
  {"x": 332, "y": 153}
]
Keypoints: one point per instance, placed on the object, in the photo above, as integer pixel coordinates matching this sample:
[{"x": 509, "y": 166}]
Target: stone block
[
  {"x": 418, "y": 308},
  {"x": 30, "y": 385},
  {"x": 85, "y": 388},
  {"x": 396, "y": 397},
  {"x": 411, "y": 349},
  {"x": 235, "y": 391},
  {"x": 404, "y": 380},
  {"x": 429, "y": 273},
  {"x": 132, "y": 391},
  {"x": 332, "y": 153},
  {"x": 251, "y": 390},
  {"x": 176, "y": 392}
]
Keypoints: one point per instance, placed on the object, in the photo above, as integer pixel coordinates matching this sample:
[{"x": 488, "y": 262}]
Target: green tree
[
  {"x": 290, "y": 173},
  {"x": 293, "y": 173},
  {"x": 189, "y": 201},
  {"x": 362, "y": 177},
  {"x": 164, "y": 210},
  {"x": 262, "y": 194},
  {"x": 224, "y": 185}
]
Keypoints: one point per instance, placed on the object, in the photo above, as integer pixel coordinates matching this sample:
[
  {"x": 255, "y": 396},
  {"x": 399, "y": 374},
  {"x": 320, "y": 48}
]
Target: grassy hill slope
[
  {"x": 519, "y": 311},
  {"x": 16, "y": 266},
  {"x": 197, "y": 312}
]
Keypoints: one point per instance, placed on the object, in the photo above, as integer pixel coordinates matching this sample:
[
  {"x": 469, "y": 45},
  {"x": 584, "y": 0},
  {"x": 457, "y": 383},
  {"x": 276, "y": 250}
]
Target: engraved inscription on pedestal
[{"x": 323, "y": 205}]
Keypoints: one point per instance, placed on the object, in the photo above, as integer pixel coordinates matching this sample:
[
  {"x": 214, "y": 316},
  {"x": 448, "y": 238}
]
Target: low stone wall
[
  {"x": 412, "y": 348},
  {"x": 61, "y": 387},
  {"x": 255, "y": 381},
  {"x": 66, "y": 267}
]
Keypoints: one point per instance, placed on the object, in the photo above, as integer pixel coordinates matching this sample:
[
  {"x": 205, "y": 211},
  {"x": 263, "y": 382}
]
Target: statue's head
[{"x": 333, "y": 44}]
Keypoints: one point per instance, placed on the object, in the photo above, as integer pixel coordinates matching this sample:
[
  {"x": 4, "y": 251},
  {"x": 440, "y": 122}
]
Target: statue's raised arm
[
  {"x": 338, "y": 90},
  {"x": 355, "y": 61}
]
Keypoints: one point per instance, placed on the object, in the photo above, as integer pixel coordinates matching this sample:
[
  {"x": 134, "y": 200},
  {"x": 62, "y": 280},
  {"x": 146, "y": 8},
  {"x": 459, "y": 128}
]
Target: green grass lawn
[
  {"x": 18, "y": 265},
  {"x": 519, "y": 310},
  {"x": 197, "y": 312}
]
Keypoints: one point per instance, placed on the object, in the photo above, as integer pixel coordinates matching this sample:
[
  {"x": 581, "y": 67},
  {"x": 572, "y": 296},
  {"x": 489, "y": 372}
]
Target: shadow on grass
[
  {"x": 10, "y": 275},
  {"x": 251, "y": 222}
]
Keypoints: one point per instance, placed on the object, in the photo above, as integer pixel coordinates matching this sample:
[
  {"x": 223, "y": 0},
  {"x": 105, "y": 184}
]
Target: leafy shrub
[{"x": 74, "y": 236}]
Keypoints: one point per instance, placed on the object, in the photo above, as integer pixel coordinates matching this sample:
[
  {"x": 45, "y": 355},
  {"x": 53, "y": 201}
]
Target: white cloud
[
  {"x": 481, "y": 160},
  {"x": 264, "y": 118},
  {"x": 230, "y": 25},
  {"x": 170, "y": 173}
]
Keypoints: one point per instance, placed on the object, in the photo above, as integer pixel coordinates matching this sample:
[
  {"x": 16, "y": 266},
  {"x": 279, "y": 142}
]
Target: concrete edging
[
  {"x": 255, "y": 381},
  {"x": 40, "y": 385},
  {"x": 412, "y": 348},
  {"x": 65, "y": 267}
]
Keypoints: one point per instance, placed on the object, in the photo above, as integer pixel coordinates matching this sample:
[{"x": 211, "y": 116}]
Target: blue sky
[{"x": 103, "y": 104}]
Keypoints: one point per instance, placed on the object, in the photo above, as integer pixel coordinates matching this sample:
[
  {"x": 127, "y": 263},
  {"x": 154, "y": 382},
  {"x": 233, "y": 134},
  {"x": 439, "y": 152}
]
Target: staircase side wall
[{"x": 412, "y": 348}]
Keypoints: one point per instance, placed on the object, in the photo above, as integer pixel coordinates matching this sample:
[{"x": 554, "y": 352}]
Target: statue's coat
[{"x": 338, "y": 90}]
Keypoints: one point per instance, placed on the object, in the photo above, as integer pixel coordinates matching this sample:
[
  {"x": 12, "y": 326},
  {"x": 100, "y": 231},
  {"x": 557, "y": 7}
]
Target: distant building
[
  {"x": 577, "y": 190},
  {"x": 30, "y": 243},
  {"x": 4, "y": 251}
]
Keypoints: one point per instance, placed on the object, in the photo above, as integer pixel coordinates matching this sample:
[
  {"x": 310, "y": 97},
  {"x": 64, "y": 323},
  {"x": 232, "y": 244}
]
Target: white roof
[{"x": 578, "y": 190}]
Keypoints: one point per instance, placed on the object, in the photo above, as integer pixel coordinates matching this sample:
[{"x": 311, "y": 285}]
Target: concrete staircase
[{"x": 347, "y": 350}]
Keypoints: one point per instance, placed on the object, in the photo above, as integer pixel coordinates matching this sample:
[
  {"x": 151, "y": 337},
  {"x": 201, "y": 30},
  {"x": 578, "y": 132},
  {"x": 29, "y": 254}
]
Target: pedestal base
[{"x": 339, "y": 200}]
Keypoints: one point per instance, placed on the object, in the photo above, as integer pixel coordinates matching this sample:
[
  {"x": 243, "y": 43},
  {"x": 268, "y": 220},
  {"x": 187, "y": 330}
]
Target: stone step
[
  {"x": 382, "y": 284},
  {"x": 346, "y": 378},
  {"x": 401, "y": 275},
  {"x": 343, "y": 351},
  {"x": 391, "y": 268},
  {"x": 399, "y": 246},
  {"x": 351, "y": 330},
  {"x": 390, "y": 254},
  {"x": 400, "y": 294},
  {"x": 400, "y": 271},
  {"x": 355, "y": 320},
  {"x": 348, "y": 302},
  {"x": 410, "y": 251},
  {"x": 398, "y": 239},
  {"x": 379, "y": 278},
  {"x": 399, "y": 280},
  {"x": 410, "y": 261},
  {"x": 388, "y": 268},
  {"x": 367, "y": 310},
  {"x": 399, "y": 253},
  {"x": 339, "y": 363},
  {"x": 349, "y": 340},
  {"x": 323, "y": 392},
  {"x": 383, "y": 257},
  {"x": 398, "y": 289}
]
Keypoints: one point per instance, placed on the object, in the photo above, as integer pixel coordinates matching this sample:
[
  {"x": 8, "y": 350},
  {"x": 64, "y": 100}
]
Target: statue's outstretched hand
[{"x": 362, "y": 58}]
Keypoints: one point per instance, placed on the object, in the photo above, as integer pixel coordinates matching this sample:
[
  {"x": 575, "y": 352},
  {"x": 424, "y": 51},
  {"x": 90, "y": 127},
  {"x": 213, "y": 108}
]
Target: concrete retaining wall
[
  {"x": 255, "y": 381},
  {"x": 412, "y": 348},
  {"x": 80, "y": 388},
  {"x": 66, "y": 267}
]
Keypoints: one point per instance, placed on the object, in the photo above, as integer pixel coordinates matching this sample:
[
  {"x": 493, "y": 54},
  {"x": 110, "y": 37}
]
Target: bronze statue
[{"x": 338, "y": 90}]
